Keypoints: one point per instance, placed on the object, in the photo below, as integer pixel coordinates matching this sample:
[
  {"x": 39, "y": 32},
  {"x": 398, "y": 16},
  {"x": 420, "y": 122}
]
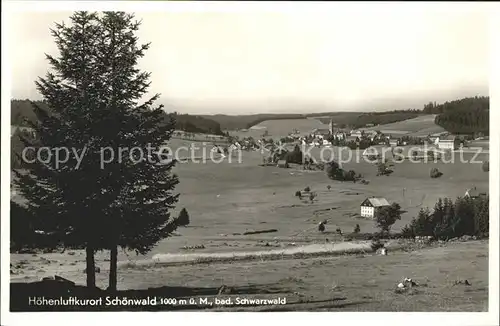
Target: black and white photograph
[{"x": 201, "y": 157}]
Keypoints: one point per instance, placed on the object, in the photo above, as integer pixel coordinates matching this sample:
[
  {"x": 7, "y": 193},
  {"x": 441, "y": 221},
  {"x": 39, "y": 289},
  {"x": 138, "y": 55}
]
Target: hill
[
  {"x": 342, "y": 119},
  {"x": 236, "y": 122},
  {"x": 22, "y": 111},
  {"x": 361, "y": 119},
  {"x": 278, "y": 128},
  {"x": 464, "y": 116},
  {"x": 422, "y": 125}
]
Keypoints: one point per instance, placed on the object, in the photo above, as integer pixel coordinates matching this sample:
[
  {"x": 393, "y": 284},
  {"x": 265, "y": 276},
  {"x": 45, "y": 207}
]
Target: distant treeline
[
  {"x": 22, "y": 111},
  {"x": 196, "y": 124},
  {"x": 359, "y": 120},
  {"x": 464, "y": 116}
]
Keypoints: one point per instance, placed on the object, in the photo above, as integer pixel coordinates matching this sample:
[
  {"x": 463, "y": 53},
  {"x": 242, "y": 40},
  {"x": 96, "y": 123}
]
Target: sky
[{"x": 329, "y": 59}]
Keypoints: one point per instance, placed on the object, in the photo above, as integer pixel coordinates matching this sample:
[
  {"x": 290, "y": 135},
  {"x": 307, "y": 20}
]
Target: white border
[{"x": 489, "y": 318}]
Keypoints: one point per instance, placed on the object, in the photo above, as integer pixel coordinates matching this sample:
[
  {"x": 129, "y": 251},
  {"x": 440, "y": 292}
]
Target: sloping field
[
  {"x": 281, "y": 128},
  {"x": 420, "y": 126}
]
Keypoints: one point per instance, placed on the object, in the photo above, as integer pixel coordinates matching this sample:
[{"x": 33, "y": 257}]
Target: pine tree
[
  {"x": 102, "y": 202},
  {"x": 183, "y": 219},
  {"x": 59, "y": 196},
  {"x": 464, "y": 217},
  {"x": 422, "y": 225},
  {"x": 142, "y": 188}
]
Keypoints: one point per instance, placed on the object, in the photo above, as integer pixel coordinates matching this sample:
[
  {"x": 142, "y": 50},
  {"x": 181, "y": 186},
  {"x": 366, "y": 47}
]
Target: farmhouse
[
  {"x": 448, "y": 142},
  {"x": 321, "y": 133},
  {"x": 370, "y": 206},
  {"x": 474, "y": 193},
  {"x": 339, "y": 135},
  {"x": 393, "y": 142},
  {"x": 357, "y": 133}
]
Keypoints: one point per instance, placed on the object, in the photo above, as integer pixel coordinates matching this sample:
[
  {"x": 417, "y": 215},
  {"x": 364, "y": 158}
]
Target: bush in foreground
[
  {"x": 183, "y": 219},
  {"x": 450, "y": 219},
  {"x": 486, "y": 166}
]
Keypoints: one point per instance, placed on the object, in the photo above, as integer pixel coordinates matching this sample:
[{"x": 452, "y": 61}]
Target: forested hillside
[{"x": 464, "y": 116}]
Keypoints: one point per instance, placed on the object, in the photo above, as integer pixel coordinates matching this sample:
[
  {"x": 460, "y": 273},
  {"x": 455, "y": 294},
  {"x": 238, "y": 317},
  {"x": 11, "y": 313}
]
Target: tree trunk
[
  {"x": 90, "y": 270},
  {"x": 113, "y": 268}
]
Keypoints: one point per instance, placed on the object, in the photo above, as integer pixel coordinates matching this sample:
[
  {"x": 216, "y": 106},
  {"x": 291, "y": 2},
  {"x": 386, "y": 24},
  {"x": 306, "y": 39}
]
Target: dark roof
[
  {"x": 474, "y": 192},
  {"x": 375, "y": 202},
  {"x": 448, "y": 138}
]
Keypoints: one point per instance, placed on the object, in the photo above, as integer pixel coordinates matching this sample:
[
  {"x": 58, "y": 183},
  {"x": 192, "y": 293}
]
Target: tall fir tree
[
  {"x": 464, "y": 216},
  {"x": 60, "y": 196},
  {"x": 121, "y": 192},
  {"x": 481, "y": 216}
]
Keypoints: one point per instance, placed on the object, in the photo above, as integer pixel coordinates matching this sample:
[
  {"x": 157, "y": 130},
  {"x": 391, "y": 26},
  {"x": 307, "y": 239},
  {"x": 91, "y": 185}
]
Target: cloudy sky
[{"x": 331, "y": 58}]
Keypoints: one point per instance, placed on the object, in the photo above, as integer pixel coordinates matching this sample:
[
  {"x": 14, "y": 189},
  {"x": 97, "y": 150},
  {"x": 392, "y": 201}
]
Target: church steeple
[{"x": 331, "y": 126}]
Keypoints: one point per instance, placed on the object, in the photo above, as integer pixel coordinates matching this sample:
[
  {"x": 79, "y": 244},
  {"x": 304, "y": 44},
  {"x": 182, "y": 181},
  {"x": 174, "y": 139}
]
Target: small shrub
[
  {"x": 183, "y": 219},
  {"x": 435, "y": 173},
  {"x": 376, "y": 244},
  {"x": 307, "y": 189},
  {"x": 298, "y": 193},
  {"x": 339, "y": 231},
  {"x": 328, "y": 187},
  {"x": 486, "y": 166},
  {"x": 357, "y": 229}
]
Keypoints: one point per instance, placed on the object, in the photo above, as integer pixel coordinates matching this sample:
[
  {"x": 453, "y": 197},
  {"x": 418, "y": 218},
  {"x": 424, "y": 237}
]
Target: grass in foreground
[{"x": 346, "y": 283}]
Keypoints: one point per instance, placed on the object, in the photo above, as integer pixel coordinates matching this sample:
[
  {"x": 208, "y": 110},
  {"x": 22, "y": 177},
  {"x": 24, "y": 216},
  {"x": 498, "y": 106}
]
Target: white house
[
  {"x": 28, "y": 130},
  {"x": 339, "y": 135},
  {"x": 448, "y": 142},
  {"x": 357, "y": 133},
  {"x": 321, "y": 133},
  {"x": 370, "y": 206}
]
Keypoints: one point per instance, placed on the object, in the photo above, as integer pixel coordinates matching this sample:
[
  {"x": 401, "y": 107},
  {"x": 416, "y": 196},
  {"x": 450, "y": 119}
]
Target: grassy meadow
[{"x": 224, "y": 200}]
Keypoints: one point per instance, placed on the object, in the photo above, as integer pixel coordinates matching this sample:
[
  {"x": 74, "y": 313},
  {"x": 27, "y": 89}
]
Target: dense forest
[
  {"x": 464, "y": 116},
  {"x": 196, "y": 124},
  {"x": 359, "y": 120},
  {"x": 22, "y": 111}
]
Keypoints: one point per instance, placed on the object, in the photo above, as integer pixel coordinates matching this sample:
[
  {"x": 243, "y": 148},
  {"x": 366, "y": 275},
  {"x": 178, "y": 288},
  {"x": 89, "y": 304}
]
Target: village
[{"x": 366, "y": 139}]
